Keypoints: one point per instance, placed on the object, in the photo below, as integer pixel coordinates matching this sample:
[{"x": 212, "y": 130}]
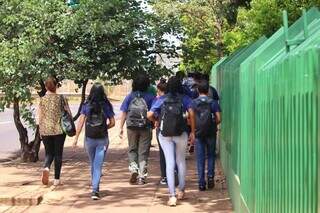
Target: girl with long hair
[
  {"x": 171, "y": 110},
  {"x": 98, "y": 116}
]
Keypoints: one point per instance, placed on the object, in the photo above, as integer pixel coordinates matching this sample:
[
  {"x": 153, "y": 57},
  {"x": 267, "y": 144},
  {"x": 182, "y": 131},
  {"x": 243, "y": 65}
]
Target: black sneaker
[
  {"x": 163, "y": 181},
  {"x": 141, "y": 181},
  {"x": 210, "y": 183},
  {"x": 95, "y": 196},
  {"x": 133, "y": 178},
  {"x": 202, "y": 188}
]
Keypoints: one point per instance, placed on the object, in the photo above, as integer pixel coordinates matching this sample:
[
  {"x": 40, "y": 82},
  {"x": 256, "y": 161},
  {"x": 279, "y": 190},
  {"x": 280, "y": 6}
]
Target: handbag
[{"x": 66, "y": 121}]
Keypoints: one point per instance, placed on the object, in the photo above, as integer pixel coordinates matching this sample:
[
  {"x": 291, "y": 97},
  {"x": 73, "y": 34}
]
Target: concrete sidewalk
[{"x": 21, "y": 189}]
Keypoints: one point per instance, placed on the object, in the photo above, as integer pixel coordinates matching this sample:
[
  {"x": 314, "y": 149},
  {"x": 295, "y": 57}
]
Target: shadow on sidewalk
[{"x": 115, "y": 189}]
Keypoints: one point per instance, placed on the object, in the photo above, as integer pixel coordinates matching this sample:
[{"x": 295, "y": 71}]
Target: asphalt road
[{"x": 9, "y": 138}]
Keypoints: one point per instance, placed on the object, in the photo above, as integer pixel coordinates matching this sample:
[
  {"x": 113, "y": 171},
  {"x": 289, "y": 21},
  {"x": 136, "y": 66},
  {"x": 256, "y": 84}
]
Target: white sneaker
[
  {"x": 172, "y": 201},
  {"x": 57, "y": 182}
]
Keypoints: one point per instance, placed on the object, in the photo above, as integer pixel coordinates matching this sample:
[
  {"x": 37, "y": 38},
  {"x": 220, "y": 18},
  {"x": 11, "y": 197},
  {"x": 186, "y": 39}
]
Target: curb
[
  {"x": 21, "y": 201},
  {"x": 29, "y": 198}
]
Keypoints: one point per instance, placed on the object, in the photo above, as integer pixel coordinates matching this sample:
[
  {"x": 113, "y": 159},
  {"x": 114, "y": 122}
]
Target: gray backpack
[{"x": 137, "y": 113}]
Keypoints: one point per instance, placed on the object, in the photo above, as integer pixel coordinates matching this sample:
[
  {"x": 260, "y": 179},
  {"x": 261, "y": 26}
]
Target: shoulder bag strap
[{"x": 62, "y": 103}]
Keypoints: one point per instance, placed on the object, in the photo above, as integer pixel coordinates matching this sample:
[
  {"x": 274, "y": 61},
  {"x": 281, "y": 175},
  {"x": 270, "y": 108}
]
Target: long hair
[
  {"x": 97, "y": 98},
  {"x": 174, "y": 86}
]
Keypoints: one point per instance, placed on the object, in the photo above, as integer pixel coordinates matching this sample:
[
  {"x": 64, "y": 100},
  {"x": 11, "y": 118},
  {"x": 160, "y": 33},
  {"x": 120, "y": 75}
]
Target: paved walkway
[{"x": 20, "y": 185}]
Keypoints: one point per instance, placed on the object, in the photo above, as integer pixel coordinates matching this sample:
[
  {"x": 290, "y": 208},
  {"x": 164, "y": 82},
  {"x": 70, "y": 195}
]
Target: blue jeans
[
  {"x": 205, "y": 146},
  {"x": 96, "y": 149}
]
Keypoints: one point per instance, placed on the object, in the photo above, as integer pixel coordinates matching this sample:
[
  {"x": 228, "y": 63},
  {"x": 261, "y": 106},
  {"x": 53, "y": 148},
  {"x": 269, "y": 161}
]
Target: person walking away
[
  {"x": 161, "y": 90},
  {"x": 48, "y": 116},
  {"x": 207, "y": 113},
  {"x": 97, "y": 115},
  {"x": 139, "y": 130},
  {"x": 171, "y": 110},
  {"x": 213, "y": 94}
]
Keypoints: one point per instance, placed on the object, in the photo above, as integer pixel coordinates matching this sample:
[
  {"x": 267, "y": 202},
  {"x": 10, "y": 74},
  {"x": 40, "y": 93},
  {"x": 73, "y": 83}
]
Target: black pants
[
  {"x": 162, "y": 159},
  {"x": 54, "y": 149}
]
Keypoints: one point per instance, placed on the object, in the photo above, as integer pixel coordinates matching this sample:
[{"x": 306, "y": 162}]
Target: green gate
[{"x": 270, "y": 106}]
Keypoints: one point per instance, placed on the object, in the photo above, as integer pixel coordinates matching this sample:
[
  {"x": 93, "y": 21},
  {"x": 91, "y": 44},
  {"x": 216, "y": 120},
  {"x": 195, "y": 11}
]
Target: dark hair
[
  {"x": 162, "y": 85},
  {"x": 141, "y": 83},
  {"x": 180, "y": 75},
  {"x": 97, "y": 98},
  {"x": 174, "y": 86},
  {"x": 190, "y": 74},
  {"x": 203, "y": 86},
  {"x": 51, "y": 84},
  {"x": 197, "y": 76},
  {"x": 206, "y": 77}
]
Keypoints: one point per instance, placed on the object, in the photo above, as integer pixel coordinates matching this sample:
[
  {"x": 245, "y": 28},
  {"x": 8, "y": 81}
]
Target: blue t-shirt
[
  {"x": 146, "y": 96},
  {"x": 107, "y": 110},
  {"x": 156, "y": 106},
  {"x": 215, "y": 107}
]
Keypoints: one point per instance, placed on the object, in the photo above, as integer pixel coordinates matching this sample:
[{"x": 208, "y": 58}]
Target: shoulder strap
[
  {"x": 210, "y": 100},
  {"x": 62, "y": 102}
]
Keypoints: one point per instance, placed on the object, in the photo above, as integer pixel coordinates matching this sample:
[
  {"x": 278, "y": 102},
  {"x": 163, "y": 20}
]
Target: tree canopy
[
  {"x": 210, "y": 29},
  {"x": 110, "y": 40}
]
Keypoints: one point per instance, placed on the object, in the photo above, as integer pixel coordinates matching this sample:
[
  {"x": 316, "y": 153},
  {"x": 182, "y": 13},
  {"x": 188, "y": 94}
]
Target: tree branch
[{"x": 83, "y": 98}]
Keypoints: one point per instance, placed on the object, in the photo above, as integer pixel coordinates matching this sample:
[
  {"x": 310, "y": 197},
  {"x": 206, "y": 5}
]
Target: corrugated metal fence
[{"x": 270, "y": 131}]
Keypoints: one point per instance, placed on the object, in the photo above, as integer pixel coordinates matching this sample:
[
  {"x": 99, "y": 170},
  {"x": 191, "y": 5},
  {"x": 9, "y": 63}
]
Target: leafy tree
[
  {"x": 202, "y": 25},
  {"x": 263, "y": 18},
  {"x": 110, "y": 40},
  {"x": 25, "y": 30}
]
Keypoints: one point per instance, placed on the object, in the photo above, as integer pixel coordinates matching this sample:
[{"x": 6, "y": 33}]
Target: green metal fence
[{"x": 270, "y": 106}]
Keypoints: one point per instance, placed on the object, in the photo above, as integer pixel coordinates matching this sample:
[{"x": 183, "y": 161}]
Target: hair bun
[{"x": 163, "y": 81}]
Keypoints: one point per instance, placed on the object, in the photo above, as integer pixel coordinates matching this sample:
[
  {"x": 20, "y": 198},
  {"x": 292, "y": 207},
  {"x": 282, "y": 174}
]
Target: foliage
[
  {"x": 202, "y": 25},
  {"x": 263, "y": 18},
  {"x": 110, "y": 40},
  {"x": 213, "y": 28}
]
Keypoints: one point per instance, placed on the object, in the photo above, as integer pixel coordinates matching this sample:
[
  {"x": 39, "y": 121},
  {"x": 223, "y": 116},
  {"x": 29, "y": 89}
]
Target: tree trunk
[
  {"x": 83, "y": 98},
  {"x": 219, "y": 37},
  {"x": 37, "y": 138},
  {"x": 28, "y": 153}
]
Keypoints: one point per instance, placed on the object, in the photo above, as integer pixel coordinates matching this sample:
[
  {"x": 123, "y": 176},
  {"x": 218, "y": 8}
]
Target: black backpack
[
  {"x": 96, "y": 126},
  {"x": 137, "y": 113},
  {"x": 172, "y": 122},
  {"x": 204, "y": 117}
]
